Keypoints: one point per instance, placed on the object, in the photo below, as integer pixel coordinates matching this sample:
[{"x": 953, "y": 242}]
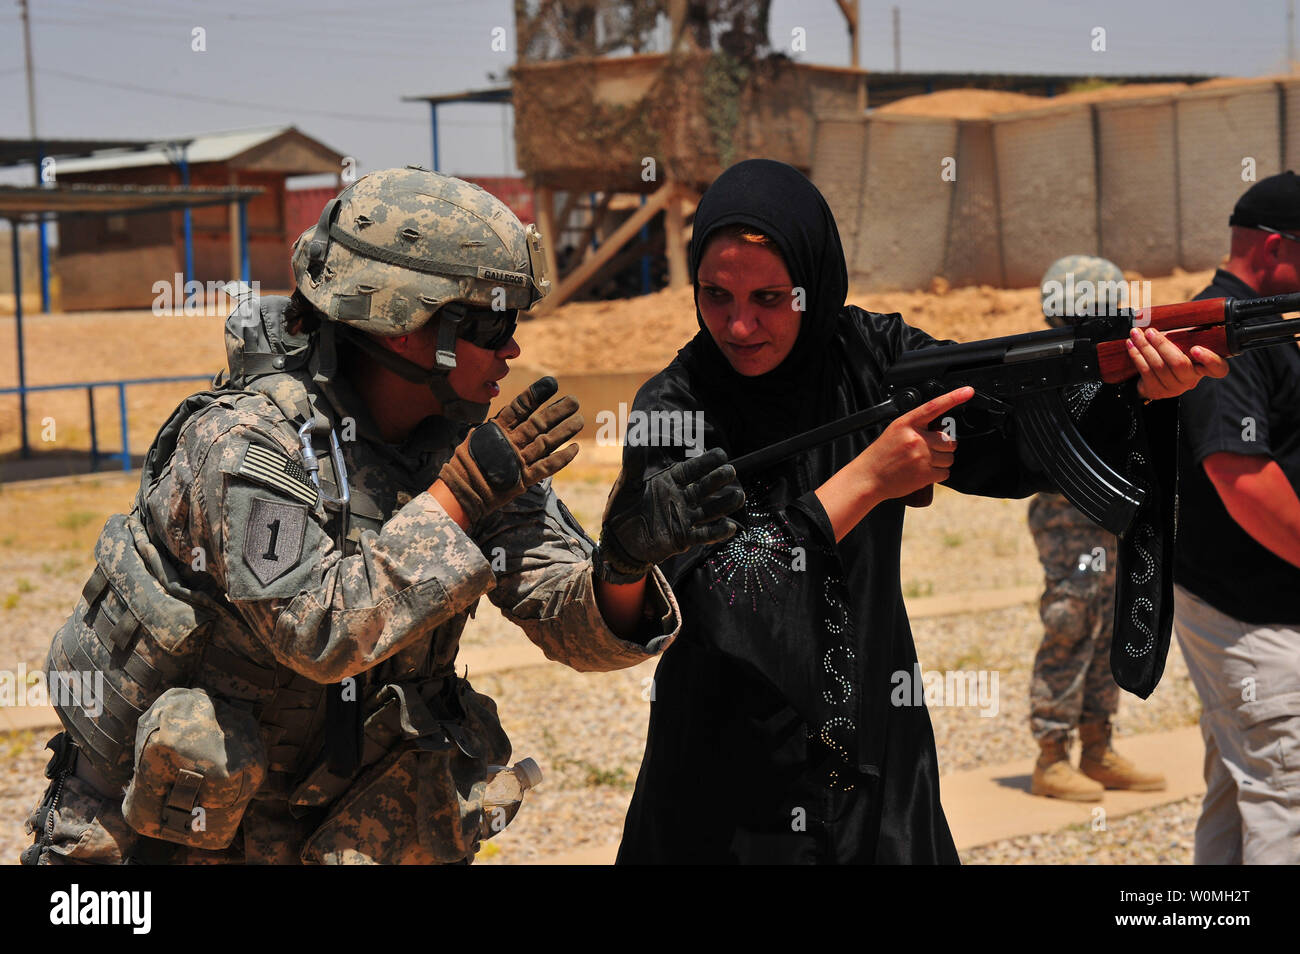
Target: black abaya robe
[{"x": 772, "y": 735}]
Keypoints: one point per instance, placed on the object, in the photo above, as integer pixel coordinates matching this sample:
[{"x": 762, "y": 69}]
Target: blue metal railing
[{"x": 121, "y": 385}]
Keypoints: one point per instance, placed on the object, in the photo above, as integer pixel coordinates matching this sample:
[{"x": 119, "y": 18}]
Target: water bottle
[{"x": 505, "y": 791}]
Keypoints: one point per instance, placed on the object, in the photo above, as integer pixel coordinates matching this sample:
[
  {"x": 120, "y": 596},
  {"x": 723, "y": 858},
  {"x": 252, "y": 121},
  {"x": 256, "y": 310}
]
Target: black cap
[{"x": 1273, "y": 203}]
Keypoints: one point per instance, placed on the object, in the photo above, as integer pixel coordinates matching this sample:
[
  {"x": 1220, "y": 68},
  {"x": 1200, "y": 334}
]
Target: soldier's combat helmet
[
  {"x": 402, "y": 247},
  {"x": 1077, "y": 287}
]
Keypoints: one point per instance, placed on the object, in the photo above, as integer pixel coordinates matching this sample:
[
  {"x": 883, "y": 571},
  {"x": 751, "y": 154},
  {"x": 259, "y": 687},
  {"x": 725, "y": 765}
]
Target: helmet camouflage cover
[
  {"x": 1081, "y": 286},
  {"x": 399, "y": 244}
]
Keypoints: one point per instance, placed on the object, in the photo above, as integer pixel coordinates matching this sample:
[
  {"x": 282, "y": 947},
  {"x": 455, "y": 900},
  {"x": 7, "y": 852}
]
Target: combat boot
[
  {"x": 1102, "y": 763},
  {"x": 1055, "y": 777}
]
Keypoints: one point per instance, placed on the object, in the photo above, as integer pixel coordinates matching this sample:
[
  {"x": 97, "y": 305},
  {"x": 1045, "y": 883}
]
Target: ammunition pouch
[
  {"x": 418, "y": 798},
  {"x": 198, "y": 762}
]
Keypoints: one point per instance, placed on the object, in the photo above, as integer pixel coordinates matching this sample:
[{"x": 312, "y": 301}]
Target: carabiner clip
[{"x": 312, "y": 464}]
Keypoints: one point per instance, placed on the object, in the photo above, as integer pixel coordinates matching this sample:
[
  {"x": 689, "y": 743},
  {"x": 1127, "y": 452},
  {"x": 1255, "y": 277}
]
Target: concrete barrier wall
[
  {"x": 1047, "y": 190},
  {"x": 839, "y": 170},
  {"x": 902, "y": 227},
  {"x": 1138, "y": 184},
  {"x": 1290, "y": 124},
  {"x": 973, "y": 255},
  {"x": 1148, "y": 183},
  {"x": 1217, "y": 130}
]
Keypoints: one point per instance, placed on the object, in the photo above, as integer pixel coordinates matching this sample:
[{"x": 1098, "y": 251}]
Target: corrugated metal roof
[
  {"x": 211, "y": 147},
  {"x": 29, "y": 203}
]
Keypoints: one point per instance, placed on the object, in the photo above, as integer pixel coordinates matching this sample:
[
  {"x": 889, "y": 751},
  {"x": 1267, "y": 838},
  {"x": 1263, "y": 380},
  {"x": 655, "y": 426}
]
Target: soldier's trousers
[
  {"x": 1248, "y": 678},
  {"x": 1072, "y": 683}
]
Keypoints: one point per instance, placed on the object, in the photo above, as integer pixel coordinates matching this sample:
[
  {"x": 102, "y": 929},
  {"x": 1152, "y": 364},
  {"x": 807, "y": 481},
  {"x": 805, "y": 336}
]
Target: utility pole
[
  {"x": 1290, "y": 36},
  {"x": 852, "y": 15},
  {"x": 40, "y": 155},
  {"x": 898, "y": 55},
  {"x": 31, "y": 83}
]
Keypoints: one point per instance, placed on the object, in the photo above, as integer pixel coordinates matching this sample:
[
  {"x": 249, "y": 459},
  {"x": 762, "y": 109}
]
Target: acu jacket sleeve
[
  {"x": 266, "y": 547},
  {"x": 542, "y": 559}
]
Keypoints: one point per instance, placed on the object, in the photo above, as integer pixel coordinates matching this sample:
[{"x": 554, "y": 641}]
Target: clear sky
[{"x": 338, "y": 69}]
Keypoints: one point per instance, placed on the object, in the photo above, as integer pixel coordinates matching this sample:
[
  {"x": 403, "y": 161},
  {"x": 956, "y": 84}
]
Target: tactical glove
[
  {"x": 516, "y": 449},
  {"x": 681, "y": 507}
]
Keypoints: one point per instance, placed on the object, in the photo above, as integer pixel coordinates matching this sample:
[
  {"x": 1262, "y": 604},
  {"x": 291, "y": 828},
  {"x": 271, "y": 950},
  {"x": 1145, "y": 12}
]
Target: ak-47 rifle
[{"x": 1023, "y": 375}]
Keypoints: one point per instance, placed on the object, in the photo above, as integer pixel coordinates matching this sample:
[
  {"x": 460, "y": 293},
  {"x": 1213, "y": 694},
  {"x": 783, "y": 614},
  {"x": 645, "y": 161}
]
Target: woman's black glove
[{"x": 681, "y": 507}]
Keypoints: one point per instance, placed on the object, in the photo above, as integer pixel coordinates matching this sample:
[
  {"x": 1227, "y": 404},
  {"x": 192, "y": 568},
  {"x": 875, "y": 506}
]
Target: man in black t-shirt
[{"x": 1237, "y": 565}]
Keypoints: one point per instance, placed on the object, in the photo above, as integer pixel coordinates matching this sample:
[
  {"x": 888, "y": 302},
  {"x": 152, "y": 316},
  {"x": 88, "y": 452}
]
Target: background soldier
[
  {"x": 1072, "y": 684},
  {"x": 277, "y": 618}
]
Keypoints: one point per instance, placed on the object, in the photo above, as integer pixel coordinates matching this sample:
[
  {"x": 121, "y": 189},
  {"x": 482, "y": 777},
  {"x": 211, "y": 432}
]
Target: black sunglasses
[
  {"x": 1286, "y": 235},
  {"x": 484, "y": 327}
]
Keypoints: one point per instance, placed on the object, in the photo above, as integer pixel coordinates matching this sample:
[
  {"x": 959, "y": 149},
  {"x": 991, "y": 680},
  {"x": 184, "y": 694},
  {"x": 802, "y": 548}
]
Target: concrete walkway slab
[
  {"x": 18, "y": 718},
  {"x": 992, "y": 804}
]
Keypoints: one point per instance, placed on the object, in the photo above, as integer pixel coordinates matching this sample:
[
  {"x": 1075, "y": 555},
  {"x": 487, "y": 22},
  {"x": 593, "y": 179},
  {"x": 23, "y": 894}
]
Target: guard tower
[{"x": 608, "y": 142}]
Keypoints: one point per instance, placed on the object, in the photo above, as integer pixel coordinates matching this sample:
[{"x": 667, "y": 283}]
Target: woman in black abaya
[{"x": 773, "y": 737}]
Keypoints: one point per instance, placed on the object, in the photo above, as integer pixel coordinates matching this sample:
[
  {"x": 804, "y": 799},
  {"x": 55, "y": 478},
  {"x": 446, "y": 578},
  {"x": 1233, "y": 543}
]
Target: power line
[{"x": 244, "y": 104}]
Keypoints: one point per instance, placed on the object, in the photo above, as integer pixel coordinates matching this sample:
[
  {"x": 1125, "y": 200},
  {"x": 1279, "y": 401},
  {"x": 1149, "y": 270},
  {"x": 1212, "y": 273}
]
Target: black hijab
[{"x": 777, "y": 200}]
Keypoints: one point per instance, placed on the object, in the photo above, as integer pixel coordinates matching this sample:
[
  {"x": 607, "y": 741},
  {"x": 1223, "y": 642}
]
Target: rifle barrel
[{"x": 1260, "y": 334}]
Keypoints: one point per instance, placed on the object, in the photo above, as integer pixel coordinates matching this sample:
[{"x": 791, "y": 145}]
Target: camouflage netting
[
  {"x": 562, "y": 29},
  {"x": 590, "y": 124}
]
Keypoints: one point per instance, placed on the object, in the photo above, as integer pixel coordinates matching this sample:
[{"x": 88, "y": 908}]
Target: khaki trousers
[{"x": 1248, "y": 678}]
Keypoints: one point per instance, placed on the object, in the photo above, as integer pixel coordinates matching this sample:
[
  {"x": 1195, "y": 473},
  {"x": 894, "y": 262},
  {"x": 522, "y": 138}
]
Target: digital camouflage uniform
[
  {"x": 278, "y": 690},
  {"x": 1072, "y": 683}
]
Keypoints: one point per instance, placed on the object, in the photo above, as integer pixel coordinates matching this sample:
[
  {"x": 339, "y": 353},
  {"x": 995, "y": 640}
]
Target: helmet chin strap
[{"x": 454, "y": 407}]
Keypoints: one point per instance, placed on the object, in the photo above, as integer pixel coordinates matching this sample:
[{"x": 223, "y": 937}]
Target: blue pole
[
  {"x": 121, "y": 411},
  {"x": 433, "y": 117},
  {"x": 645, "y": 259},
  {"x": 18, "y": 323},
  {"x": 245, "y": 270},
  {"x": 94, "y": 433},
  {"x": 44, "y": 242},
  {"x": 189, "y": 227}
]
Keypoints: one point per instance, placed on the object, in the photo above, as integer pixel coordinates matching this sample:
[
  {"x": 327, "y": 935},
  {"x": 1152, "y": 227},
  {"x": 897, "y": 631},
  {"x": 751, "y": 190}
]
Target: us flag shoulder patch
[{"x": 279, "y": 472}]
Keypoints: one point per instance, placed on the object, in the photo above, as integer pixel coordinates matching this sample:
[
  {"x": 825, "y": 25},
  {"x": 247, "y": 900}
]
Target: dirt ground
[{"x": 587, "y": 730}]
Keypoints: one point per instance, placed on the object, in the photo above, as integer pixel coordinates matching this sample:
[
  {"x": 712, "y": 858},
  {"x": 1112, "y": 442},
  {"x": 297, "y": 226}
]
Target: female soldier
[{"x": 772, "y": 734}]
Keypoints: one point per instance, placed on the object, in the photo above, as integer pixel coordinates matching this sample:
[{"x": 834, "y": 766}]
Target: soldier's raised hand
[
  {"x": 681, "y": 507},
  {"x": 524, "y": 444}
]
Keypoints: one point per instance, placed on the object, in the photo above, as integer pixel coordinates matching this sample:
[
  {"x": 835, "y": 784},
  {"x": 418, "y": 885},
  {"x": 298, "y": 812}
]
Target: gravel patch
[
  {"x": 587, "y": 731},
  {"x": 1156, "y": 836},
  {"x": 1003, "y": 642},
  {"x": 23, "y": 757},
  {"x": 961, "y": 543}
]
